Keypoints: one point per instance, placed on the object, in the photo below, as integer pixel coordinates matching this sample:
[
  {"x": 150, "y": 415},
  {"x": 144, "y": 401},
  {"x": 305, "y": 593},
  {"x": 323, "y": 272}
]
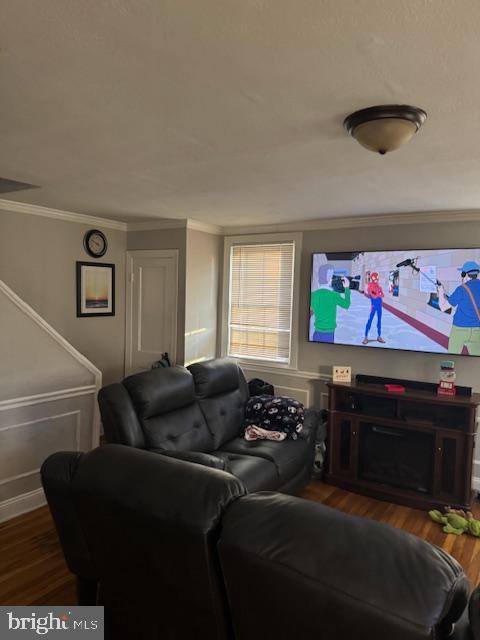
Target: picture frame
[{"x": 95, "y": 289}]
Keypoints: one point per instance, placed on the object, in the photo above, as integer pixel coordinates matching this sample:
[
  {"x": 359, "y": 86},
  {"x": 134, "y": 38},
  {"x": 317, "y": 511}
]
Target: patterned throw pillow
[{"x": 275, "y": 414}]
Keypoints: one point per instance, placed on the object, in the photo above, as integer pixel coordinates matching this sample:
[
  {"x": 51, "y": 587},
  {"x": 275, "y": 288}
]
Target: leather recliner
[
  {"x": 197, "y": 415},
  {"x": 181, "y": 551}
]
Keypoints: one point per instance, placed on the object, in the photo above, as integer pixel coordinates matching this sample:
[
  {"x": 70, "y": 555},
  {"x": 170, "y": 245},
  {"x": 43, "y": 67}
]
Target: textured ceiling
[{"x": 230, "y": 111}]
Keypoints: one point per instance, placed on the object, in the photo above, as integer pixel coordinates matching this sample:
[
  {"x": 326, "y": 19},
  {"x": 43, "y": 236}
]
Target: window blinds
[{"x": 261, "y": 293}]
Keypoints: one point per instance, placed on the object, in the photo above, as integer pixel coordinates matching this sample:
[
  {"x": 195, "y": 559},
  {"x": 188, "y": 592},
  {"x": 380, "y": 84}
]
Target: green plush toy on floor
[{"x": 456, "y": 521}]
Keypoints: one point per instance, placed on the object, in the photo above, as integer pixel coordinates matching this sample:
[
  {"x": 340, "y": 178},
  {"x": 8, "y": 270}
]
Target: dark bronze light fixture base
[{"x": 385, "y": 127}]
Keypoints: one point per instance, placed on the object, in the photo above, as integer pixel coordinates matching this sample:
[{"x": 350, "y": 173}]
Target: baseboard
[{"x": 21, "y": 504}]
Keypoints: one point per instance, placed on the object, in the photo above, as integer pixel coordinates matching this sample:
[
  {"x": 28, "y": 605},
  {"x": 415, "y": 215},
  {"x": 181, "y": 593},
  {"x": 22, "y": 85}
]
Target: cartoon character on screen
[
  {"x": 375, "y": 293},
  {"x": 324, "y": 302},
  {"x": 466, "y": 321}
]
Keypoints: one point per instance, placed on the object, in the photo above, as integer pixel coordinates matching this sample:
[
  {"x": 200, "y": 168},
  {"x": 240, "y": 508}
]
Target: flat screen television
[{"x": 422, "y": 300}]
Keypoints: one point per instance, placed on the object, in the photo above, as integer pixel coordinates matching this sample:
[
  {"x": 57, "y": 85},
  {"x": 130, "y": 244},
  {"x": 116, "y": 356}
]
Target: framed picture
[{"x": 95, "y": 289}]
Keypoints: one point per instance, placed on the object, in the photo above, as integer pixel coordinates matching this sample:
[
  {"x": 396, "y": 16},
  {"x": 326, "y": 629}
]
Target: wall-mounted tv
[{"x": 422, "y": 300}]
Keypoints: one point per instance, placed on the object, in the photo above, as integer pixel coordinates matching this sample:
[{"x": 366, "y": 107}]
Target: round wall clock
[{"x": 95, "y": 243}]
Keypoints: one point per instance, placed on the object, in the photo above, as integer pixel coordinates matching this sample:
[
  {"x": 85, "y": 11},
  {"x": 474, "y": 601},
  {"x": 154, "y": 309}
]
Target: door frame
[{"x": 129, "y": 282}]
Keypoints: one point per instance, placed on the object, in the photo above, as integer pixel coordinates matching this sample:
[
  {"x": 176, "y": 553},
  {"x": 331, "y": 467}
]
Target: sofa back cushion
[
  {"x": 166, "y": 407},
  {"x": 119, "y": 418},
  {"x": 222, "y": 392}
]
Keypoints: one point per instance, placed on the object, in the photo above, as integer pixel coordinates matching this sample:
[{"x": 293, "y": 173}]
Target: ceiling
[{"x": 230, "y": 111}]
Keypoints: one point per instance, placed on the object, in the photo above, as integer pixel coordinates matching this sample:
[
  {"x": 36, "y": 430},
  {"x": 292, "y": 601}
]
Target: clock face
[{"x": 95, "y": 243}]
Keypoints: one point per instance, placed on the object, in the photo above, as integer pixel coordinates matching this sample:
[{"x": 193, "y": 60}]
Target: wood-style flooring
[
  {"x": 33, "y": 571},
  {"x": 32, "y": 568}
]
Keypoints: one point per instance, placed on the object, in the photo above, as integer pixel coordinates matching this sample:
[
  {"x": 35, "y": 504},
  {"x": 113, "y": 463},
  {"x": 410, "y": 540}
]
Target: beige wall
[
  {"x": 32, "y": 362},
  {"x": 204, "y": 256},
  {"x": 37, "y": 261},
  {"x": 420, "y": 366},
  {"x": 167, "y": 239}
]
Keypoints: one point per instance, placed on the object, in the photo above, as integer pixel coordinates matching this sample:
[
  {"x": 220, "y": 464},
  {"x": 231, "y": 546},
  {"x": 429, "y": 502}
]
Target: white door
[{"x": 151, "y": 321}]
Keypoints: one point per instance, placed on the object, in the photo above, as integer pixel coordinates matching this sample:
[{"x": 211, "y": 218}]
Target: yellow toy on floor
[{"x": 456, "y": 521}]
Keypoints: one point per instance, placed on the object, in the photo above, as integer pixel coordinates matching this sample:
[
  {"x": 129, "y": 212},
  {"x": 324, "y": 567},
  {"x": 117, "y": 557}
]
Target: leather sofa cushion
[
  {"x": 183, "y": 429},
  {"x": 362, "y": 579},
  {"x": 474, "y": 612},
  {"x": 119, "y": 418},
  {"x": 160, "y": 391},
  {"x": 169, "y": 414},
  {"x": 224, "y": 415},
  {"x": 222, "y": 392},
  {"x": 214, "y": 377},
  {"x": 256, "y": 473},
  {"x": 288, "y": 456},
  {"x": 197, "y": 457}
]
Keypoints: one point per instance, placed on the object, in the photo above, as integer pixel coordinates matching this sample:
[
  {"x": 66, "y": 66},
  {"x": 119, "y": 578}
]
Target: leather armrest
[
  {"x": 310, "y": 424},
  {"x": 207, "y": 459},
  {"x": 322, "y": 558},
  {"x": 474, "y": 614},
  {"x": 462, "y": 629}
]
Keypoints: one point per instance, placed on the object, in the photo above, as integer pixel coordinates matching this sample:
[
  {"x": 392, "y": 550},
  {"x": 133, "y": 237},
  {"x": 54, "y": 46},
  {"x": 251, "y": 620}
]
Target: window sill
[{"x": 264, "y": 365}]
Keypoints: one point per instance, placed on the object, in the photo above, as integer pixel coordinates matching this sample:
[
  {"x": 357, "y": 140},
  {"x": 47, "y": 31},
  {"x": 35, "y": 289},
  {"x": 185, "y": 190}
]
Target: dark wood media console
[{"x": 413, "y": 448}]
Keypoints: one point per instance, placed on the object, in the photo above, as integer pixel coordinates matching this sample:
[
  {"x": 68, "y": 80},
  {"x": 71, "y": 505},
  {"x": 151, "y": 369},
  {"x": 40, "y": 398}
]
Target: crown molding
[
  {"x": 351, "y": 222},
  {"x": 182, "y": 223},
  {"x": 161, "y": 223},
  {"x": 34, "y": 209},
  {"x": 346, "y": 222},
  {"x": 206, "y": 227}
]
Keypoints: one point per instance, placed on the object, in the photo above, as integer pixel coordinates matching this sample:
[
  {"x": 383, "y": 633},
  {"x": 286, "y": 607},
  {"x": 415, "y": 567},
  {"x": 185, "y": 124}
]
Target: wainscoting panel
[
  {"x": 302, "y": 395},
  {"x": 25, "y": 446},
  {"x": 30, "y": 431},
  {"x": 48, "y": 401},
  {"x": 306, "y": 386}
]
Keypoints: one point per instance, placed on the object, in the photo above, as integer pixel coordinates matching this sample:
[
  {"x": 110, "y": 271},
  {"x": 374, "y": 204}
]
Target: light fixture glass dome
[{"x": 385, "y": 128}]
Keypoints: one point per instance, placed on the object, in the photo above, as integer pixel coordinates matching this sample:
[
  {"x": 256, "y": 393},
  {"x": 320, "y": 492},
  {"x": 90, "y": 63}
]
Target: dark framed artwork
[{"x": 95, "y": 289}]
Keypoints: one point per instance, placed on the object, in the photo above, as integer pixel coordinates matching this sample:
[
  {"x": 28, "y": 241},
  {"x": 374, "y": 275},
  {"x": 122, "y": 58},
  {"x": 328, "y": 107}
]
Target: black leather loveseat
[
  {"x": 197, "y": 415},
  {"x": 179, "y": 551}
]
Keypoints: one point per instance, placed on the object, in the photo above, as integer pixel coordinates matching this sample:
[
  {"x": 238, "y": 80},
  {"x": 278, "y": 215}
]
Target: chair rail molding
[{"x": 61, "y": 416}]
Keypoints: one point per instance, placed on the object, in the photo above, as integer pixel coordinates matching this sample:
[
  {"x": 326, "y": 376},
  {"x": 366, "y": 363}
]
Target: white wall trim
[
  {"x": 290, "y": 373},
  {"x": 171, "y": 223},
  {"x": 51, "y": 396},
  {"x": 69, "y": 216},
  {"x": 293, "y": 392},
  {"x": 228, "y": 243},
  {"x": 206, "y": 227},
  {"x": 32, "y": 472},
  {"x": 21, "y": 504},
  {"x": 35, "y": 317},
  {"x": 160, "y": 223},
  {"x": 129, "y": 299},
  {"x": 349, "y": 222},
  {"x": 344, "y": 222}
]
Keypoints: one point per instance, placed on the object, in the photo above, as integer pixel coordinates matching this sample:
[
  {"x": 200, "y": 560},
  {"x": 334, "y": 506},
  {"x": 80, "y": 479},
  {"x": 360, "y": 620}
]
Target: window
[{"x": 261, "y": 301}]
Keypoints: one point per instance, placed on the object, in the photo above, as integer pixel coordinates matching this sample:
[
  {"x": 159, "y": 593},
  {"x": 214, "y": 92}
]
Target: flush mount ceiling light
[{"x": 386, "y": 127}]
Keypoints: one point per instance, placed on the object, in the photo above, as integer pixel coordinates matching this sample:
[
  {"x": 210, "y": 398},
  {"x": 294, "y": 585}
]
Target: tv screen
[{"x": 423, "y": 300}]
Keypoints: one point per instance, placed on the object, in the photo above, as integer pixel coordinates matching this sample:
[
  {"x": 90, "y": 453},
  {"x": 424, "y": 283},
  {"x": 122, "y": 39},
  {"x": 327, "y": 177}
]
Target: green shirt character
[{"x": 324, "y": 303}]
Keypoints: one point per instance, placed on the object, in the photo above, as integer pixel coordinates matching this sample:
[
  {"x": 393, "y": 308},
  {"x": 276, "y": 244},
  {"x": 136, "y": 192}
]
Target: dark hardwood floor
[
  {"x": 32, "y": 568},
  {"x": 33, "y": 571}
]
